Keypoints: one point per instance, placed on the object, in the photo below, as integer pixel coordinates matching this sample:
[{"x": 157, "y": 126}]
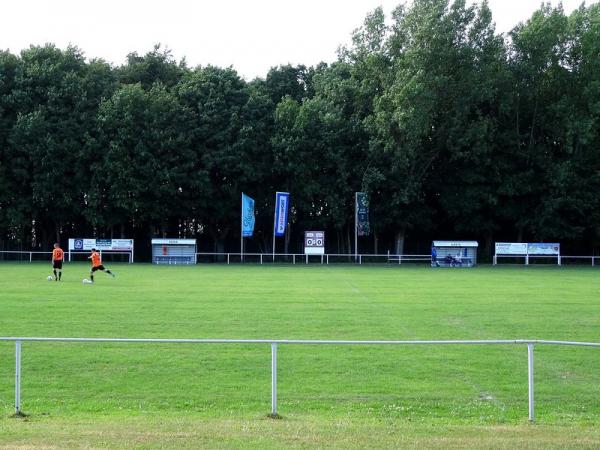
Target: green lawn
[{"x": 217, "y": 396}]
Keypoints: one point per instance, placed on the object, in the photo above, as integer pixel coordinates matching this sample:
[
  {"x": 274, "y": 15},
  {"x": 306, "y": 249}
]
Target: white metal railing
[
  {"x": 560, "y": 259},
  {"x": 68, "y": 254},
  {"x": 275, "y": 342},
  {"x": 326, "y": 258},
  {"x": 28, "y": 253}
]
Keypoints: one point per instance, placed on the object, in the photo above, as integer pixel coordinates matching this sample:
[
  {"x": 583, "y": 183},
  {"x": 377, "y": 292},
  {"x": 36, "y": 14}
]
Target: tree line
[{"x": 454, "y": 131}]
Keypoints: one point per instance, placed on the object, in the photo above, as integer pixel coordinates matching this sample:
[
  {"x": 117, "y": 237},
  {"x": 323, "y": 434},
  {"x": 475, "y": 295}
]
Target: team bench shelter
[{"x": 454, "y": 253}]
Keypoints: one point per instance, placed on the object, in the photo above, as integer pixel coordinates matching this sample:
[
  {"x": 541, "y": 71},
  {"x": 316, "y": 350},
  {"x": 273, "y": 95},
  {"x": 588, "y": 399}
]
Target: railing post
[
  {"x": 261, "y": 258},
  {"x": 30, "y": 256},
  {"x": 530, "y": 377},
  {"x": 327, "y": 258},
  {"x": 17, "y": 377},
  {"x": 273, "y": 379},
  {"x": 294, "y": 258},
  {"x": 359, "y": 259}
]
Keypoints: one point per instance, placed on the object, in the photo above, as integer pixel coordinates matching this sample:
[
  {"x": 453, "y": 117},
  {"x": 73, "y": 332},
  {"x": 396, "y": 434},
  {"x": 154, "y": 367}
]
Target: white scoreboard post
[
  {"x": 314, "y": 243},
  {"x": 116, "y": 246}
]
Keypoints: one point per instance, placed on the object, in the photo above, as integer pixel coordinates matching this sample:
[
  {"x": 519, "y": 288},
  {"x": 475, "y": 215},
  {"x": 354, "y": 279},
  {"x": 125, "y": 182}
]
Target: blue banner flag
[
  {"x": 282, "y": 201},
  {"x": 247, "y": 216}
]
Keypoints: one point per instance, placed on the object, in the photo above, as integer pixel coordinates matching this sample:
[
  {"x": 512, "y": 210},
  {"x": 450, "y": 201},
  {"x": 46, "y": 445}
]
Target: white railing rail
[
  {"x": 303, "y": 258},
  {"x": 275, "y": 342},
  {"x": 324, "y": 259},
  {"x": 68, "y": 254}
]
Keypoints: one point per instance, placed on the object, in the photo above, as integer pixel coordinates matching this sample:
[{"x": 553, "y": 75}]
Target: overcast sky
[{"x": 250, "y": 35}]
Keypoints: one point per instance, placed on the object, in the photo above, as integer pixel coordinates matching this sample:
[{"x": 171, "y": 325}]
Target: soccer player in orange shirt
[
  {"x": 97, "y": 264},
  {"x": 57, "y": 261}
]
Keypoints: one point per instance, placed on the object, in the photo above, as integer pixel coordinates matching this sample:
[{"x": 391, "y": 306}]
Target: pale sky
[{"x": 250, "y": 35}]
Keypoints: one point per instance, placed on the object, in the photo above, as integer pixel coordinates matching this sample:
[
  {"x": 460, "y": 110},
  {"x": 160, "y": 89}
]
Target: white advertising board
[
  {"x": 80, "y": 244},
  {"x": 511, "y": 248},
  {"x": 543, "y": 248}
]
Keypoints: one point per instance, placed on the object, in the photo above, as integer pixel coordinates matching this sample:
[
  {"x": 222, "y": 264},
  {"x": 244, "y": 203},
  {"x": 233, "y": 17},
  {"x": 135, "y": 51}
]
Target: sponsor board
[
  {"x": 81, "y": 244},
  {"x": 511, "y": 248}
]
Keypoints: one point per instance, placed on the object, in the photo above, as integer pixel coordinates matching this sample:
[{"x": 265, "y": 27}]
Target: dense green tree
[
  {"x": 143, "y": 172},
  {"x": 453, "y": 130},
  {"x": 157, "y": 65}
]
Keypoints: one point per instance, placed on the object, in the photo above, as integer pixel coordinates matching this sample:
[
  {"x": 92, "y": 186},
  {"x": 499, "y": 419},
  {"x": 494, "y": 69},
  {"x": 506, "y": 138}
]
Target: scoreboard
[{"x": 314, "y": 242}]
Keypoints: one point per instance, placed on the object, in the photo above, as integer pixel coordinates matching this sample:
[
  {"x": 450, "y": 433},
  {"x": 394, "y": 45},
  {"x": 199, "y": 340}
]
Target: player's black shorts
[
  {"x": 57, "y": 264},
  {"x": 100, "y": 267}
]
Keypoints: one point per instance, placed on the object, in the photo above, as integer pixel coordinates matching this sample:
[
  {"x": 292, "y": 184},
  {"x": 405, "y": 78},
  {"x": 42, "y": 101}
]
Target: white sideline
[{"x": 275, "y": 342}]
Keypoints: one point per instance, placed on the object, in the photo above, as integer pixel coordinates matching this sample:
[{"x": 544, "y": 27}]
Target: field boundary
[{"x": 275, "y": 342}]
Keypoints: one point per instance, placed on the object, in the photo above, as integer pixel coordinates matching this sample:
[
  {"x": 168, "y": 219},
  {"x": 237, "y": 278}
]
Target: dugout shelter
[
  {"x": 174, "y": 251},
  {"x": 454, "y": 253}
]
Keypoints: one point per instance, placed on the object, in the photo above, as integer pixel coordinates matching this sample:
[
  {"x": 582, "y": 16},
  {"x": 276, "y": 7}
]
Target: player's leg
[
  {"x": 55, "y": 274},
  {"x": 109, "y": 273},
  {"x": 59, "y": 271},
  {"x": 92, "y": 274}
]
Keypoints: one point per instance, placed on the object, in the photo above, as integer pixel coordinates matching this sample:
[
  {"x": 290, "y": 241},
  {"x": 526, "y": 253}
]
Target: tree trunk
[
  {"x": 349, "y": 241},
  {"x": 399, "y": 241},
  {"x": 286, "y": 238},
  {"x": 375, "y": 243},
  {"x": 487, "y": 248}
]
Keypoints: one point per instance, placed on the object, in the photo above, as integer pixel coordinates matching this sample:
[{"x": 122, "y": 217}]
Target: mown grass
[{"x": 113, "y": 395}]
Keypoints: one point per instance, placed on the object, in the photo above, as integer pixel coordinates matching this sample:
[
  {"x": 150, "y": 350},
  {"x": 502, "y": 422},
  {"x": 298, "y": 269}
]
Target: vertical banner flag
[
  {"x": 362, "y": 214},
  {"x": 247, "y": 216},
  {"x": 282, "y": 200}
]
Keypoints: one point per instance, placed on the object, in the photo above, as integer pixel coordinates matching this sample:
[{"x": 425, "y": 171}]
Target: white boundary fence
[
  {"x": 68, "y": 254},
  {"x": 276, "y": 342},
  {"x": 301, "y": 258}
]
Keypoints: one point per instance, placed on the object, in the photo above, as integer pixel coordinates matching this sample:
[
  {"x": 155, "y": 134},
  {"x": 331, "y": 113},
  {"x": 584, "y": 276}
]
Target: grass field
[{"x": 218, "y": 396}]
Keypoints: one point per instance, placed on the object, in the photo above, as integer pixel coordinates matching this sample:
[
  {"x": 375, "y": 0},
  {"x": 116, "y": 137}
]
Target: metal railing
[
  {"x": 69, "y": 255},
  {"x": 275, "y": 342},
  {"x": 301, "y": 258}
]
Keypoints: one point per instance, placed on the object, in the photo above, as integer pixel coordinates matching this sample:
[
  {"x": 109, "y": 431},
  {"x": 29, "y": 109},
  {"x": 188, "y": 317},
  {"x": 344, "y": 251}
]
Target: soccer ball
[
  {"x": 50, "y": 278},
  {"x": 86, "y": 281}
]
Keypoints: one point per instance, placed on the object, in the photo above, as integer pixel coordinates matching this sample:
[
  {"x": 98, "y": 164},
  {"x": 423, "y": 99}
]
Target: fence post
[
  {"x": 359, "y": 259},
  {"x": 530, "y": 376},
  {"x": 273, "y": 379},
  {"x": 294, "y": 258},
  {"x": 261, "y": 258},
  {"x": 17, "y": 377}
]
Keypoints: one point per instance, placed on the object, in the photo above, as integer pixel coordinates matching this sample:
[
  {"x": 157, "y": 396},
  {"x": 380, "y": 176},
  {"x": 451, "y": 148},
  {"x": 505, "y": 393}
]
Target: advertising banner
[
  {"x": 79, "y": 244},
  {"x": 511, "y": 248},
  {"x": 362, "y": 214},
  {"x": 282, "y": 200},
  {"x": 248, "y": 219},
  {"x": 543, "y": 248}
]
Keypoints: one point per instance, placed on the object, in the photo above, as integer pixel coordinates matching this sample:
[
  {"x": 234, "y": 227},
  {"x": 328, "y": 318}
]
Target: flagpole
[
  {"x": 355, "y": 226},
  {"x": 242, "y": 231}
]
